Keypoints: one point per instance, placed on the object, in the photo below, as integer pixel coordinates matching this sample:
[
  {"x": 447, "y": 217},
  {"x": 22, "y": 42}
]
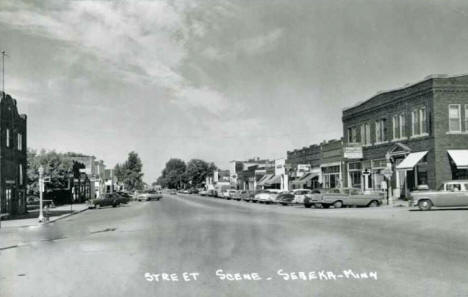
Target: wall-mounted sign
[{"x": 353, "y": 152}]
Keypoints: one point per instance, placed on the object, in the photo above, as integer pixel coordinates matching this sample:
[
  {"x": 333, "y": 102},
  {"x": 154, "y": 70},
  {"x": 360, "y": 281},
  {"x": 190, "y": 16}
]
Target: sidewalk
[{"x": 31, "y": 219}]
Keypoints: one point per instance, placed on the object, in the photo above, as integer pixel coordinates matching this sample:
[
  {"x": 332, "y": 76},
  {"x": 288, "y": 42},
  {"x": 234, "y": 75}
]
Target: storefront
[
  {"x": 331, "y": 175},
  {"x": 458, "y": 163}
]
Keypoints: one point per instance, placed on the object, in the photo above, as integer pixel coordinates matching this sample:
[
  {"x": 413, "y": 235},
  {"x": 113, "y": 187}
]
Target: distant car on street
[
  {"x": 149, "y": 195},
  {"x": 340, "y": 197},
  {"x": 203, "y": 193},
  {"x": 173, "y": 192},
  {"x": 450, "y": 194},
  {"x": 109, "y": 199}
]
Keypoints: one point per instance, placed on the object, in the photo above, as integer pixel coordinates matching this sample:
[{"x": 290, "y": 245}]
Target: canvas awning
[
  {"x": 460, "y": 157},
  {"x": 411, "y": 160},
  {"x": 262, "y": 181},
  {"x": 274, "y": 180},
  {"x": 306, "y": 178}
]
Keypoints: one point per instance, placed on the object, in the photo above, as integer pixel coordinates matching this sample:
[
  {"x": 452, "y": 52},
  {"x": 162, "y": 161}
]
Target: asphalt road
[{"x": 124, "y": 251}]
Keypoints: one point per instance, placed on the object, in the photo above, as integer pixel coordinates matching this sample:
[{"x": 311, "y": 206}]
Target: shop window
[{"x": 454, "y": 118}]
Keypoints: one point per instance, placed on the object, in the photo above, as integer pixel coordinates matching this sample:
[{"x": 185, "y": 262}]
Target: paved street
[{"x": 107, "y": 252}]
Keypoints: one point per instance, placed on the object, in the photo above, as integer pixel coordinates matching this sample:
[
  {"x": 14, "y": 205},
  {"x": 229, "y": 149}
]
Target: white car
[
  {"x": 267, "y": 196},
  {"x": 300, "y": 194}
]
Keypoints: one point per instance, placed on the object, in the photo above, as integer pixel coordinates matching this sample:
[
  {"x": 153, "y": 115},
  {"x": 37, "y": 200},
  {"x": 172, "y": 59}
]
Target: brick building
[
  {"x": 417, "y": 135},
  {"x": 13, "y": 157}
]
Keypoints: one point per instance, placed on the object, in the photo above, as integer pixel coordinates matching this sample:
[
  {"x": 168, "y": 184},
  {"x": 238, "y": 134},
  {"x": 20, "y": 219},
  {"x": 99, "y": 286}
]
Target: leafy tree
[
  {"x": 130, "y": 172},
  {"x": 177, "y": 174},
  {"x": 58, "y": 166},
  {"x": 172, "y": 175}
]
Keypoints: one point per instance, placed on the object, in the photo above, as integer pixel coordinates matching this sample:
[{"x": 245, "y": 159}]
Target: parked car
[
  {"x": 235, "y": 195},
  {"x": 211, "y": 193},
  {"x": 285, "y": 198},
  {"x": 109, "y": 199},
  {"x": 193, "y": 191},
  {"x": 247, "y": 195},
  {"x": 450, "y": 194},
  {"x": 308, "y": 197},
  {"x": 173, "y": 192},
  {"x": 267, "y": 196},
  {"x": 340, "y": 197},
  {"x": 203, "y": 193},
  {"x": 123, "y": 197},
  {"x": 300, "y": 194}
]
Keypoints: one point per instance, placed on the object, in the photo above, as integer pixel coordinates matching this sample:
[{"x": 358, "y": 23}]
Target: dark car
[
  {"x": 124, "y": 197},
  {"x": 285, "y": 198},
  {"x": 193, "y": 191},
  {"x": 109, "y": 199}
]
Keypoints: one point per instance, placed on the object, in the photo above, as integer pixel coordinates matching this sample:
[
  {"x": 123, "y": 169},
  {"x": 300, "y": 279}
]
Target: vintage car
[
  {"x": 450, "y": 194},
  {"x": 300, "y": 194},
  {"x": 247, "y": 195},
  {"x": 149, "y": 195},
  {"x": 285, "y": 198},
  {"x": 234, "y": 195},
  {"x": 109, "y": 199},
  {"x": 340, "y": 197},
  {"x": 267, "y": 196}
]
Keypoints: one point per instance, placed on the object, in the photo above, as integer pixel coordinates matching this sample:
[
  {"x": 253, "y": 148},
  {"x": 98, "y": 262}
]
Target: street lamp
[{"x": 41, "y": 190}]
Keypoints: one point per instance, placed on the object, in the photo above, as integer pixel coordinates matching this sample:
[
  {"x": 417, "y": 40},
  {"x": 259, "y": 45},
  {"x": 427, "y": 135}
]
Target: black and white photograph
[{"x": 241, "y": 148}]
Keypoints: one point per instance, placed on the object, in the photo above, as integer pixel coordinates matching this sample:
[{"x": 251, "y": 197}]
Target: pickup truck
[
  {"x": 450, "y": 194},
  {"x": 340, "y": 197}
]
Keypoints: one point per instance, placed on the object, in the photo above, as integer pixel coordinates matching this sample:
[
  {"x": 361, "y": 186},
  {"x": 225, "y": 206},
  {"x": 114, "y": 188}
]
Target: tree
[
  {"x": 197, "y": 171},
  {"x": 129, "y": 173},
  {"x": 172, "y": 175},
  {"x": 58, "y": 166}
]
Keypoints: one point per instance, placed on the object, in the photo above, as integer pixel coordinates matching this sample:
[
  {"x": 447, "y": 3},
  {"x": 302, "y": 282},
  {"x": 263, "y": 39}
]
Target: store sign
[
  {"x": 303, "y": 167},
  {"x": 353, "y": 152}
]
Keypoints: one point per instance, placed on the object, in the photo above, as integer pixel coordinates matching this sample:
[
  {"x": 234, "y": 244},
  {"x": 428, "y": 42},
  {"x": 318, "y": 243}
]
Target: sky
[{"x": 216, "y": 80}]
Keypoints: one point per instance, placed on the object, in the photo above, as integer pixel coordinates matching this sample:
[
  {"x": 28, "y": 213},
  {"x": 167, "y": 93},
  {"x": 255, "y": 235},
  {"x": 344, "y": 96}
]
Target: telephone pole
[{"x": 4, "y": 53}]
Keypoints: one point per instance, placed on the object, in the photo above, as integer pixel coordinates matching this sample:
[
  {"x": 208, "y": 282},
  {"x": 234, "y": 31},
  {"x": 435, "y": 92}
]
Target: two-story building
[
  {"x": 13, "y": 157},
  {"x": 410, "y": 136}
]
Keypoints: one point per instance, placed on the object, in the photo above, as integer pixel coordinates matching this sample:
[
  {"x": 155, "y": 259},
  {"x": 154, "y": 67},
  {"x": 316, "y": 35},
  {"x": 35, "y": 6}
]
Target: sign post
[
  {"x": 41, "y": 190},
  {"x": 387, "y": 172}
]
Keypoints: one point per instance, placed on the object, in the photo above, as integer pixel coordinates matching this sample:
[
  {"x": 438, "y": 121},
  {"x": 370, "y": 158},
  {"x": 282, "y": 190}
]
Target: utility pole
[{"x": 4, "y": 53}]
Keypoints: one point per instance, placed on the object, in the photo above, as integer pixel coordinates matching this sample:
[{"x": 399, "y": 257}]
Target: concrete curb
[{"x": 66, "y": 215}]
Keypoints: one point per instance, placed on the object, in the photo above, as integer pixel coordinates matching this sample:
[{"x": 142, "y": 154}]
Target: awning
[
  {"x": 460, "y": 157},
  {"x": 306, "y": 178},
  {"x": 262, "y": 181},
  {"x": 411, "y": 160},
  {"x": 274, "y": 180}
]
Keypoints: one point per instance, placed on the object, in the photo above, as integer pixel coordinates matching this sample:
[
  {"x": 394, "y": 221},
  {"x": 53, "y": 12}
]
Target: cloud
[
  {"x": 260, "y": 44},
  {"x": 141, "y": 42}
]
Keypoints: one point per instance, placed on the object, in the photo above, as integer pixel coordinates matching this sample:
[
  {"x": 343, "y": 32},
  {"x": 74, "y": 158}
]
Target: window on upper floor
[
  {"x": 396, "y": 127},
  {"x": 454, "y": 118},
  {"x": 365, "y": 134},
  {"x": 352, "y": 135},
  {"x": 418, "y": 122},
  {"x": 20, "y": 142},
  {"x": 380, "y": 131},
  {"x": 7, "y": 136},
  {"x": 20, "y": 174},
  {"x": 466, "y": 117},
  {"x": 402, "y": 125}
]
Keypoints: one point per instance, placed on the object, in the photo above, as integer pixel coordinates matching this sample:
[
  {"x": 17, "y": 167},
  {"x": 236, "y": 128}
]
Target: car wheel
[
  {"x": 425, "y": 205},
  {"x": 373, "y": 203},
  {"x": 307, "y": 205},
  {"x": 325, "y": 206},
  {"x": 114, "y": 204},
  {"x": 338, "y": 204}
]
